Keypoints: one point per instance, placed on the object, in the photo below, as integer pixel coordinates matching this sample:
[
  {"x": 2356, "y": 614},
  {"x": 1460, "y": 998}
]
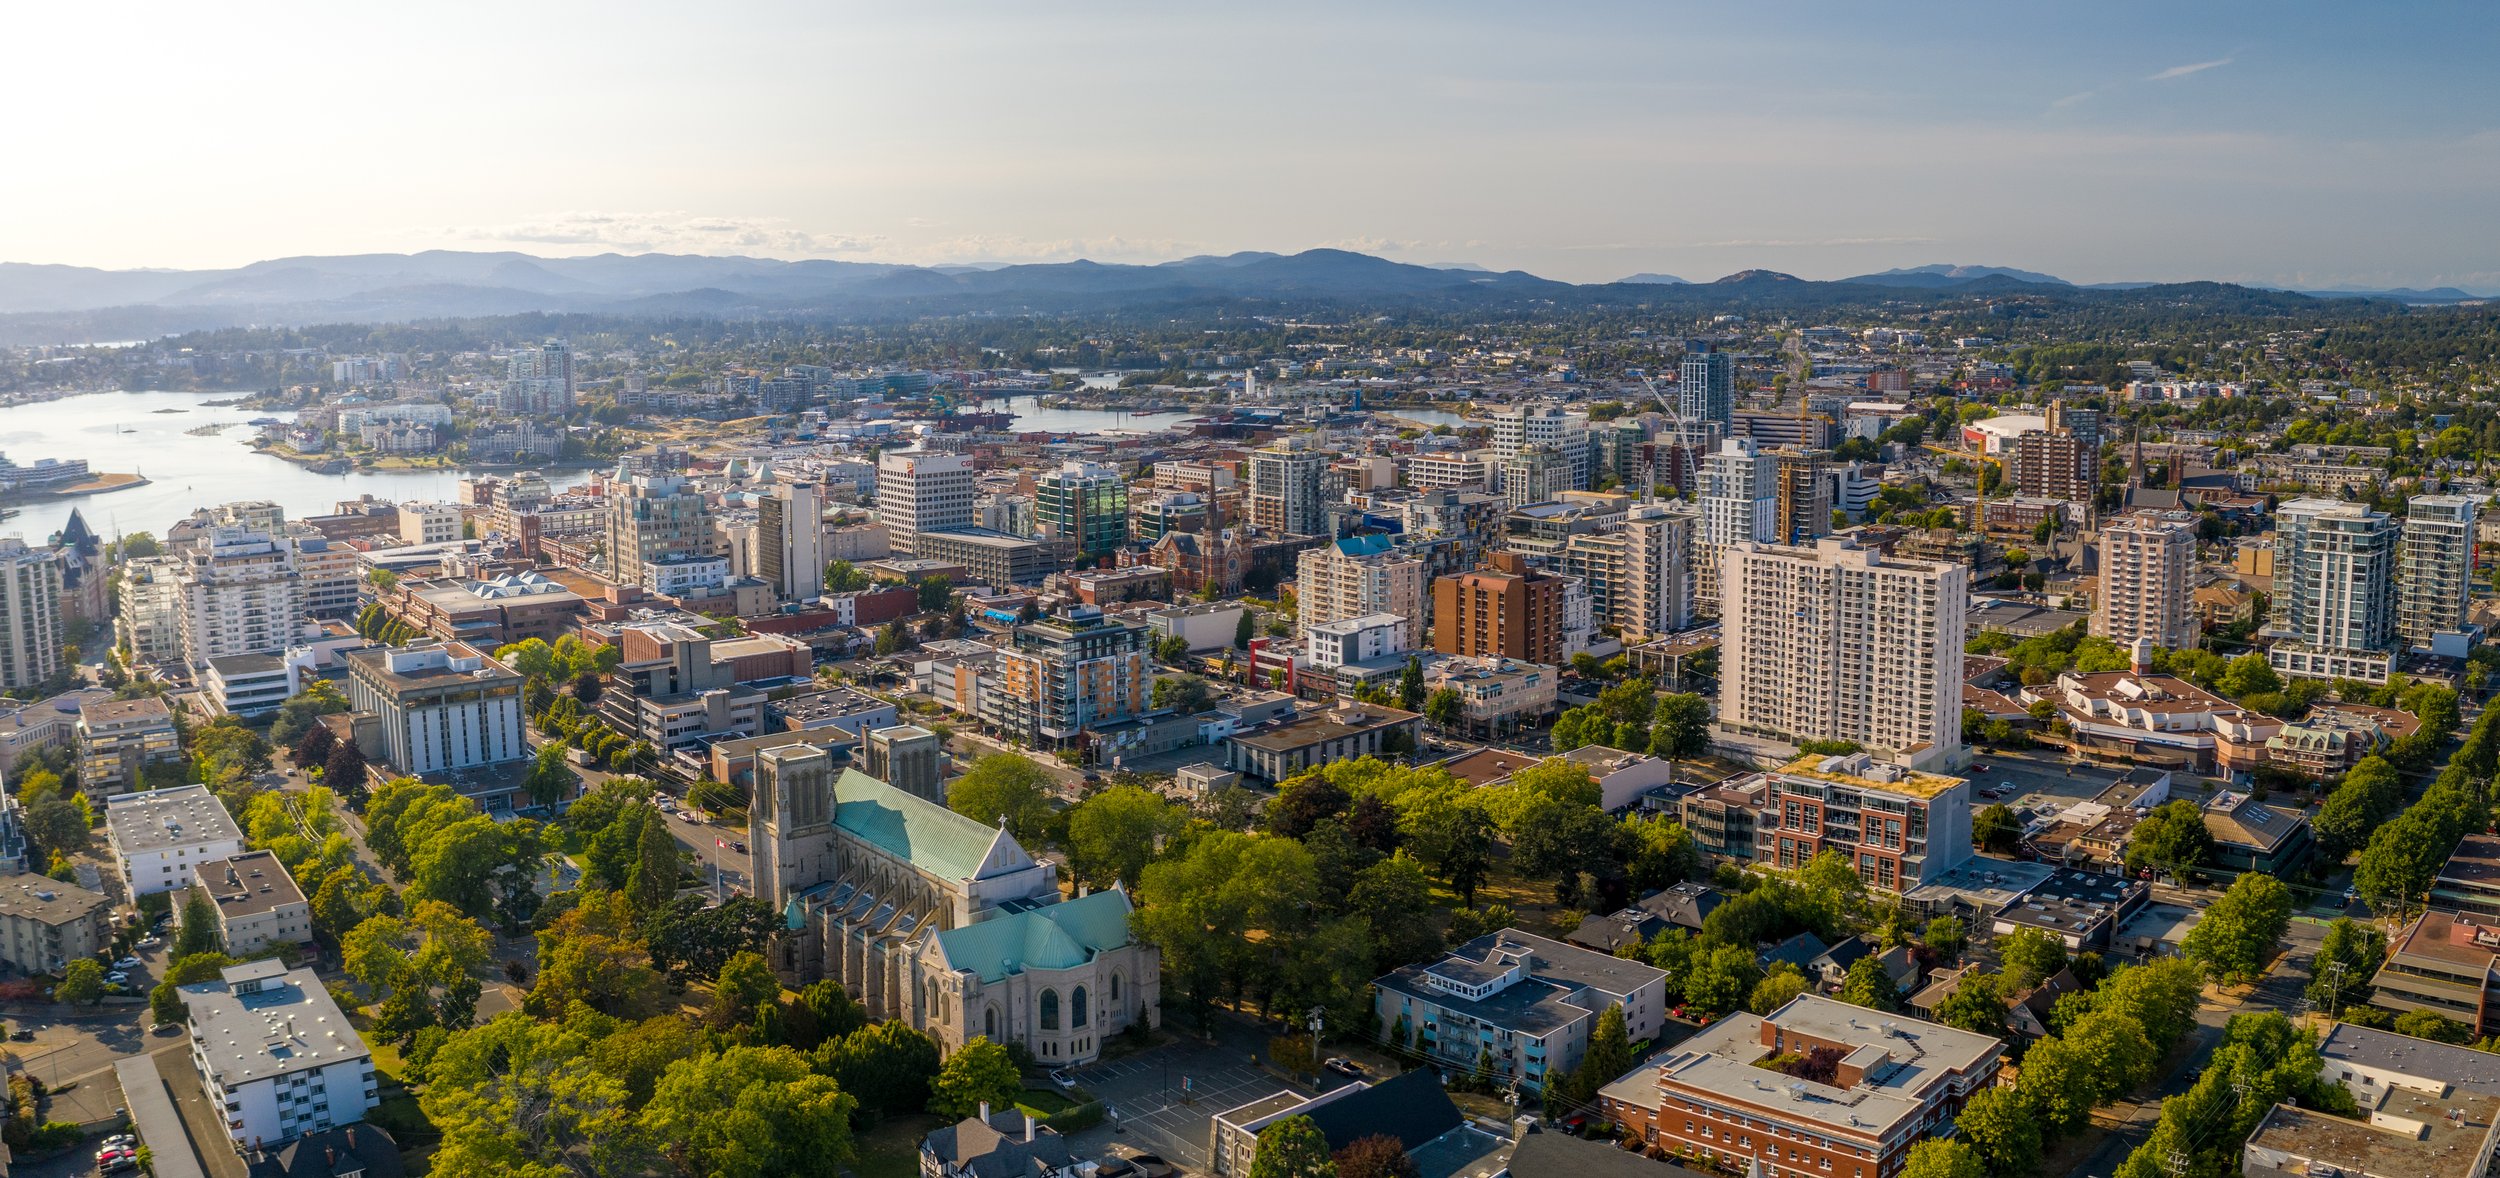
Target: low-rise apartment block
[
  {"x": 118, "y": 739},
  {"x": 160, "y": 837},
  {"x": 276, "y": 1056},
  {"x": 1815, "y": 1088},
  {"x": 258, "y": 904},
  {"x": 45, "y": 924},
  {"x": 1522, "y": 1003},
  {"x": 1899, "y": 827}
]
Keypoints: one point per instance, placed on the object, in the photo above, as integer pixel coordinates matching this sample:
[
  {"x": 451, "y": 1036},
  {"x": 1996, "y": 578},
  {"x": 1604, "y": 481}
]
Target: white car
[
  {"x": 117, "y": 978},
  {"x": 127, "y": 963}
]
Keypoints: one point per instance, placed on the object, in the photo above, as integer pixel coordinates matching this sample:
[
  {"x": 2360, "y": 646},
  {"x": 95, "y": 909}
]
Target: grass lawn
[
  {"x": 1042, "y": 1102},
  {"x": 892, "y": 1148}
]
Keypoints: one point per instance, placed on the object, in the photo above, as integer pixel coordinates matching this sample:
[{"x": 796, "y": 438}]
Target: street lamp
[{"x": 1317, "y": 1022}]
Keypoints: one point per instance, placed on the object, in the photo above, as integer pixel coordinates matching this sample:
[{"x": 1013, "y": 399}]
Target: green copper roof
[
  {"x": 1053, "y": 936},
  {"x": 929, "y": 835}
]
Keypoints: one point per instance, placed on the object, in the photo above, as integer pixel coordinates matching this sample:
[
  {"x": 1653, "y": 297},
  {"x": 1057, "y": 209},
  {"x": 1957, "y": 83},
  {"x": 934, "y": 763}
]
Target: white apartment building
[
  {"x": 160, "y": 837},
  {"x": 1358, "y": 577},
  {"x": 149, "y": 624},
  {"x": 326, "y": 574},
  {"x": 2147, "y": 561},
  {"x": 425, "y": 522},
  {"x": 1535, "y": 475},
  {"x": 276, "y": 1055},
  {"x": 677, "y": 576},
  {"x": 240, "y": 595},
  {"x": 1469, "y": 471},
  {"x": 442, "y": 707},
  {"x": 790, "y": 541},
  {"x": 1287, "y": 492},
  {"x": 1641, "y": 576},
  {"x": 1739, "y": 504},
  {"x": 30, "y": 613},
  {"x": 922, "y": 493},
  {"x": 258, "y": 904},
  {"x": 2436, "y": 572},
  {"x": 1705, "y": 387},
  {"x": 2334, "y": 590},
  {"x": 1527, "y": 427},
  {"x": 1836, "y": 642},
  {"x": 1330, "y": 645}
]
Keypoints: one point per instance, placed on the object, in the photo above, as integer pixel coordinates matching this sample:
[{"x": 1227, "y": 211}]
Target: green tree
[
  {"x": 1004, "y": 786},
  {"x": 1976, "y": 1005},
  {"x": 2171, "y": 839},
  {"x": 198, "y": 925},
  {"x": 549, "y": 780},
  {"x": 1243, "y": 630},
  {"x": 1187, "y": 694},
  {"x": 934, "y": 592},
  {"x": 887, "y": 1067},
  {"x": 1114, "y": 834},
  {"x": 658, "y": 864},
  {"x": 1945, "y": 937},
  {"x": 58, "y": 827},
  {"x": 1721, "y": 981},
  {"x": 2240, "y": 931},
  {"x": 1609, "y": 1053},
  {"x": 1939, "y": 1157},
  {"x": 1870, "y": 985},
  {"x": 2030, "y": 956},
  {"x": 82, "y": 983},
  {"x": 1375, "y": 1156},
  {"x": 2370, "y": 794},
  {"x": 1292, "y": 1147},
  {"x": 751, "y": 1112},
  {"x": 842, "y": 576},
  {"x": 1682, "y": 727},
  {"x": 2434, "y": 1026},
  {"x": 2249, "y": 675},
  {"x": 745, "y": 985},
  {"x": 297, "y": 716},
  {"x": 691, "y": 938},
  {"x": 1776, "y": 989},
  {"x": 978, "y": 1073},
  {"x": 1445, "y": 708},
  {"x": 1995, "y": 829},
  {"x": 2360, "y": 949},
  {"x": 1411, "y": 685},
  {"x": 2000, "y": 1127}
]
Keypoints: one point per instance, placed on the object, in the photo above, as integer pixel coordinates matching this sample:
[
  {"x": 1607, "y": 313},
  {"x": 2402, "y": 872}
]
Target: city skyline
[{"x": 2315, "y": 148}]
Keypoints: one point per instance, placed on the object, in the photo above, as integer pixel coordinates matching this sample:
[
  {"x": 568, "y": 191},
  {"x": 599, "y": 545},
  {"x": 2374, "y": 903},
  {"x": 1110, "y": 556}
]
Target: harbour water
[
  {"x": 126, "y": 433},
  {"x": 1032, "y": 415}
]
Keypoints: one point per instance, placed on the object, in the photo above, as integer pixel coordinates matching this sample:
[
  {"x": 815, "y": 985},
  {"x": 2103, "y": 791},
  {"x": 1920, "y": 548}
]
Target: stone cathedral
[{"x": 937, "y": 919}]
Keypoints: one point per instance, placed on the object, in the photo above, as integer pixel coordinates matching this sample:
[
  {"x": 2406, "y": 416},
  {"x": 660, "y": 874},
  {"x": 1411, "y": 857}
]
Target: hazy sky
[{"x": 2300, "y": 143}]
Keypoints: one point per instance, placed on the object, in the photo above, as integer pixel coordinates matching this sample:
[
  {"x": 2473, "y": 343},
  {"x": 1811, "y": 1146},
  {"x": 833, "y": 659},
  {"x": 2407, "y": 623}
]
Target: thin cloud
[
  {"x": 2072, "y": 99},
  {"x": 2181, "y": 71},
  {"x": 669, "y": 231}
]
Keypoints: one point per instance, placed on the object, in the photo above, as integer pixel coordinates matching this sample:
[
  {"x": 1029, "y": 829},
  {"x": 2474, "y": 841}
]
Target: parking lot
[
  {"x": 1162, "y": 1100},
  {"x": 2038, "y": 778}
]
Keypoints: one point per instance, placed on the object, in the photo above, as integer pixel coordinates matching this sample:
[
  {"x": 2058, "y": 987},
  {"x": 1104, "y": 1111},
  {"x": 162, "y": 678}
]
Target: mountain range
[{"x": 51, "y": 303}]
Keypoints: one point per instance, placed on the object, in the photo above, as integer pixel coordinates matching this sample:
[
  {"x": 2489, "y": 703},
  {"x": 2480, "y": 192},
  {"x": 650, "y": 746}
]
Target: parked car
[
  {"x": 128, "y": 963},
  {"x": 1344, "y": 1067},
  {"x": 740, "y": 848},
  {"x": 21, "y": 1034},
  {"x": 150, "y": 942},
  {"x": 116, "y": 978}
]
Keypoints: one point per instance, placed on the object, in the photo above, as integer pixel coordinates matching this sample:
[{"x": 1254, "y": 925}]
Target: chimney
[
  {"x": 985, "y": 1112},
  {"x": 351, "y": 1137},
  {"x": 1028, "y": 1128},
  {"x": 330, "y": 1154}
]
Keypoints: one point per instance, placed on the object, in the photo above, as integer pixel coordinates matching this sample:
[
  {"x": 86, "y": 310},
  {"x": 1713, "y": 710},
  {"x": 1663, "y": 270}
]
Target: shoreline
[{"x": 100, "y": 484}]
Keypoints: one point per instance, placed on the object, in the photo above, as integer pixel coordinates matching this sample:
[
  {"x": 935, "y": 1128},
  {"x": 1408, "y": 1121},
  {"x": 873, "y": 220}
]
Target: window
[
  {"x": 989, "y": 1023},
  {"x": 1076, "y": 1007},
  {"x": 1050, "y": 1010}
]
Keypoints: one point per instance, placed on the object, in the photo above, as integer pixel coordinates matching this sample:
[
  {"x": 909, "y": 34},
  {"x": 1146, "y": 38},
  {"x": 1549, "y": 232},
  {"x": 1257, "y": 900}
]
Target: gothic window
[
  {"x": 1076, "y": 1007},
  {"x": 1050, "y": 1010},
  {"x": 989, "y": 1023}
]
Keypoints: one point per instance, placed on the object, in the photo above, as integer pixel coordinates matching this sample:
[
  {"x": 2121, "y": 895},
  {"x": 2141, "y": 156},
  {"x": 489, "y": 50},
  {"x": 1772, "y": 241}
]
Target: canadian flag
[{"x": 722, "y": 845}]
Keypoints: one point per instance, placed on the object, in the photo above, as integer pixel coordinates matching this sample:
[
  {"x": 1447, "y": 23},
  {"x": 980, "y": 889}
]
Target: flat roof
[
  {"x": 2442, "y": 1148},
  {"x": 1718, "y": 1064},
  {"x": 49, "y": 901},
  {"x": 2387, "y": 1051},
  {"x": 1898, "y": 780},
  {"x": 1305, "y": 731},
  {"x": 114, "y": 711},
  {"x": 290, "y": 1024},
  {"x": 157, "y": 819},
  {"x": 1541, "y": 1002},
  {"x": 248, "y": 884}
]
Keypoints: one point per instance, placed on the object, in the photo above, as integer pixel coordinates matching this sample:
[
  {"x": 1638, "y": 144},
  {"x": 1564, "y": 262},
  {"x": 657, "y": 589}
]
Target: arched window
[
  {"x": 1050, "y": 1010},
  {"x": 1076, "y": 1007},
  {"x": 989, "y": 1023},
  {"x": 936, "y": 1010},
  {"x": 1115, "y": 987}
]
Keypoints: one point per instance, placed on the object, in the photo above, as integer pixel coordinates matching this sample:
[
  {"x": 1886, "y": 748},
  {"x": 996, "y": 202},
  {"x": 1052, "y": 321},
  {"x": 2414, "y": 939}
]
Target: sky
[{"x": 2288, "y": 143}]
